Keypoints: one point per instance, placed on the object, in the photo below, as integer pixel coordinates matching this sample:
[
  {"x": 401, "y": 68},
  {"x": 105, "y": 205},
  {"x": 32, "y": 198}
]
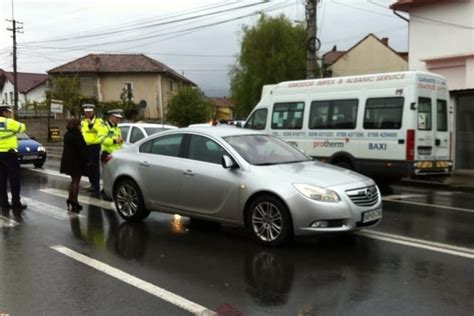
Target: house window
[
  {"x": 11, "y": 98},
  {"x": 5, "y": 100},
  {"x": 127, "y": 93},
  {"x": 171, "y": 85}
]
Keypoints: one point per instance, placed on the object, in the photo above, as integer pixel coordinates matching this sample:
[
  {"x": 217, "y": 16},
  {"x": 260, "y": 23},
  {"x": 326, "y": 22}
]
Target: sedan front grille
[{"x": 364, "y": 196}]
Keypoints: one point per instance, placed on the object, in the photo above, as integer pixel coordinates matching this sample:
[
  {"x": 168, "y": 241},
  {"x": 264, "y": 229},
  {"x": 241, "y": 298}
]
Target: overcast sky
[{"x": 199, "y": 39}]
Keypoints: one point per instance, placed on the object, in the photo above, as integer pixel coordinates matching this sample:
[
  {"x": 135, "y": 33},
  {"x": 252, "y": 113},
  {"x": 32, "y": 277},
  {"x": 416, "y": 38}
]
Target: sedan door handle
[
  {"x": 144, "y": 164},
  {"x": 188, "y": 172}
]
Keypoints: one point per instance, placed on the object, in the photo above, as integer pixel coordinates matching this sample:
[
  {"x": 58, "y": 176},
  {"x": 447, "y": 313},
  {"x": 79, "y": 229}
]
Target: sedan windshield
[{"x": 265, "y": 150}]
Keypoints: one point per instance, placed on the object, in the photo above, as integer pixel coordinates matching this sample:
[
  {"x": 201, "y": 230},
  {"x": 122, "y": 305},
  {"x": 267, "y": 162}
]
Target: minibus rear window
[
  {"x": 424, "y": 114},
  {"x": 383, "y": 113},
  {"x": 442, "y": 116}
]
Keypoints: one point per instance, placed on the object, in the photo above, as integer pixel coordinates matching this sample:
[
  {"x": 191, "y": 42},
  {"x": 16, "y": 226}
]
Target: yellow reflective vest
[
  {"x": 8, "y": 130},
  {"x": 110, "y": 143},
  {"x": 94, "y": 132}
]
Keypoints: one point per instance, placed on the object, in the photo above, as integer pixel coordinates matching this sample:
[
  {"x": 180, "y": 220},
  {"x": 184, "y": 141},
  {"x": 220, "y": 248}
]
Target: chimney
[
  {"x": 96, "y": 61},
  {"x": 385, "y": 41}
]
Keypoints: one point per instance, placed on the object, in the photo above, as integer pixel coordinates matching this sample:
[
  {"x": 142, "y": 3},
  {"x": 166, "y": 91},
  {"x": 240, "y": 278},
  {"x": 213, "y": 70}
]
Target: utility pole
[
  {"x": 311, "y": 39},
  {"x": 14, "y": 30}
]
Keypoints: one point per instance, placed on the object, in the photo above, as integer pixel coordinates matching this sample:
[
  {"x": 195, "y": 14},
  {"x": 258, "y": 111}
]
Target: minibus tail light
[{"x": 410, "y": 143}]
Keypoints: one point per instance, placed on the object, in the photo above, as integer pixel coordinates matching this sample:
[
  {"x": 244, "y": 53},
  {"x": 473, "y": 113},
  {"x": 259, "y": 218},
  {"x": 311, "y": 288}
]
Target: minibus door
[{"x": 441, "y": 134}]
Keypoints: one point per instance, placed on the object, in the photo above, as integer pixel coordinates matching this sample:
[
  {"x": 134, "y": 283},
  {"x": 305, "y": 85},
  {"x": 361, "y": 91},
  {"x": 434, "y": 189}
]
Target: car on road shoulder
[
  {"x": 30, "y": 151},
  {"x": 243, "y": 177},
  {"x": 133, "y": 132}
]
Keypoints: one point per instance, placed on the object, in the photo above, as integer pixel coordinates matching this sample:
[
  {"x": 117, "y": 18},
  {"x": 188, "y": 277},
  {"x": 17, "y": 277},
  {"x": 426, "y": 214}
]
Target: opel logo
[
  {"x": 28, "y": 149},
  {"x": 369, "y": 192}
]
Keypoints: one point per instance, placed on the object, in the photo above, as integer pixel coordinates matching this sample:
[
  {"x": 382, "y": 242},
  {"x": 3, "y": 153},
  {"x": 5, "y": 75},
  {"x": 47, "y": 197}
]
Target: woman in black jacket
[{"x": 74, "y": 161}]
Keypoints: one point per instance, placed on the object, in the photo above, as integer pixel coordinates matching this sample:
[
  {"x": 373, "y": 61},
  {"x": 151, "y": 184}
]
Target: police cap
[
  {"x": 5, "y": 108},
  {"x": 116, "y": 112},
  {"x": 88, "y": 107}
]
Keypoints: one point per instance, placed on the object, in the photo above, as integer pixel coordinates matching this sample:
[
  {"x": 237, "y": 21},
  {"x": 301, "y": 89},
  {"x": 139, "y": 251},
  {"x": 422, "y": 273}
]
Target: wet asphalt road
[{"x": 418, "y": 261}]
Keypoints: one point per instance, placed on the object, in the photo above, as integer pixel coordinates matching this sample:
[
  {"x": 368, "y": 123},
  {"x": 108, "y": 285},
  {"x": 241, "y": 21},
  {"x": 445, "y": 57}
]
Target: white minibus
[{"x": 390, "y": 125}]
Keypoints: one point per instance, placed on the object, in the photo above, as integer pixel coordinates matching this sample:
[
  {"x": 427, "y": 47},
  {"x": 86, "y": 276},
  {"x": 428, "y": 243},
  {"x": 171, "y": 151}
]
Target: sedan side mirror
[{"x": 227, "y": 162}]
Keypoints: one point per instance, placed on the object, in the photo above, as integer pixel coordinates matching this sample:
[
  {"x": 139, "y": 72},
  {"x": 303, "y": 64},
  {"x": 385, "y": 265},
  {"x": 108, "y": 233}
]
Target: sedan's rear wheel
[
  {"x": 129, "y": 201},
  {"x": 269, "y": 220}
]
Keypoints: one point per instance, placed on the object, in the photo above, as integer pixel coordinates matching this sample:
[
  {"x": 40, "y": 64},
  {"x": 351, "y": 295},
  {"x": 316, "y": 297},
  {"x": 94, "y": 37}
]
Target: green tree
[
  {"x": 188, "y": 106},
  {"x": 272, "y": 51},
  {"x": 67, "y": 89}
]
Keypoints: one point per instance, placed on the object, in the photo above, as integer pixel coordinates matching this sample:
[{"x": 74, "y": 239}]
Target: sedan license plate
[
  {"x": 371, "y": 216},
  {"x": 30, "y": 157}
]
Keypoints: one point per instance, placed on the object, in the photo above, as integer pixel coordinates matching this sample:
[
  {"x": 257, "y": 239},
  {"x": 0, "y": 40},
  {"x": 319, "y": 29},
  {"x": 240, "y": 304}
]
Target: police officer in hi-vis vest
[
  {"x": 9, "y": 163},
  {"x": 113, "y": 140},
  {"x": 94, "y": 132}
]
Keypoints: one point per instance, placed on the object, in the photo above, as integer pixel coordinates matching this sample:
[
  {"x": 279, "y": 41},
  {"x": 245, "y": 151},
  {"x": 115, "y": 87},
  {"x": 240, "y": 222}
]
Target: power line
[
  {"x": 365, "y": 10},
  {"x": 167, "y": 35},
  {"x": 199, "y": 28},
  {"x": 123, "y": 26},
  {"x": 108, "y": 33}
]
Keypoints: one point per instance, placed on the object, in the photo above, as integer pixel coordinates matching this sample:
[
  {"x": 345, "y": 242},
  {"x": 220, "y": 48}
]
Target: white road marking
[
  {"x": 393, "y": 199},
  {"x": 419, "y": 243},
  {"x": 7, "y": 222},
  {"x": 50, "y": 172},
  {"x": 55, "y": 173},
  {"x": 82, "y": 198},
  {"x": 60, "y": 213},
  {"x": 152, "y": 289},
  {"x": 390, "y": 198}
]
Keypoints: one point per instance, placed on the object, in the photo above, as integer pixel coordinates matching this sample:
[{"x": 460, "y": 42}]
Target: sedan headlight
[
  {"x": 317, "y": 193},
  {"x": 41, "y": 148}
]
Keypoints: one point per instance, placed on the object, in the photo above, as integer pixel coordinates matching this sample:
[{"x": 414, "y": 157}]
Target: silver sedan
[{"x": 241, "y": 177}]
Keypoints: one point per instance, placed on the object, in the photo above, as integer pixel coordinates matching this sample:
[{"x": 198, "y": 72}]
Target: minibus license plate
[{"x": 371, "y": 216}]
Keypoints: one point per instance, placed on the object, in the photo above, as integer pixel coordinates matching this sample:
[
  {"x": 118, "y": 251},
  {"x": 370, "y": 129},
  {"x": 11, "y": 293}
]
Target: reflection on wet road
[{"x": 386, "y": 271}]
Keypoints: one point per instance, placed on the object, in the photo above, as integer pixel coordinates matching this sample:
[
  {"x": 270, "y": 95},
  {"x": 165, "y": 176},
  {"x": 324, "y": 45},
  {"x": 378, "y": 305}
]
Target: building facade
[
  {"x": 31, "y": 88},
  {"x": 441, "y": 40},
  {"x": 370, "y": 55},
  {"x": 108, "y": 77}
]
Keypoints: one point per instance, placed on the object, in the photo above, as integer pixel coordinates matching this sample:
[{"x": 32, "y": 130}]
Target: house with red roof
[
  {"x": 105, "y": 77},
  {"x": 31, "y": 88},
  {"x": 223, "y": 108},
  {"x": 370, "y": 55},
  {"x": 441, "y": 40}
]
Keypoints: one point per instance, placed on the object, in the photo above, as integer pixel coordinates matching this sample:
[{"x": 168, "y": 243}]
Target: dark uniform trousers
[
  {"x": 94, "y": 170},
  {"x": 9, "y": 169}
]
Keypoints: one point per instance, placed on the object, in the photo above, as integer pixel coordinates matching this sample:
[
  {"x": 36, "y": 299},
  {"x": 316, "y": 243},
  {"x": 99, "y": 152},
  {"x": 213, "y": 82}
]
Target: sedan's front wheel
[
  {"x": 269, "y": 220},
  {"x": 129, "y": 201}
]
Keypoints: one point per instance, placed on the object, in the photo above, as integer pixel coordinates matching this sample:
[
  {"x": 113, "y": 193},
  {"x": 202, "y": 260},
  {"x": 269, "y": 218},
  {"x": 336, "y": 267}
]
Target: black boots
[{"x": 73, "y": 206}]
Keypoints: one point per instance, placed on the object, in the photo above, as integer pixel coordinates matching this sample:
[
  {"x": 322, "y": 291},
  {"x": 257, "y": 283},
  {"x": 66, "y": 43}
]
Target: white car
[{"x": 133, "y": 132}]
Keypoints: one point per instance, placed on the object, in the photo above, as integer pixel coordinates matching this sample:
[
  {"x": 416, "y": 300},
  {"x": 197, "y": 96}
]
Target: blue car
[{"x": 30, "y": 151}]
